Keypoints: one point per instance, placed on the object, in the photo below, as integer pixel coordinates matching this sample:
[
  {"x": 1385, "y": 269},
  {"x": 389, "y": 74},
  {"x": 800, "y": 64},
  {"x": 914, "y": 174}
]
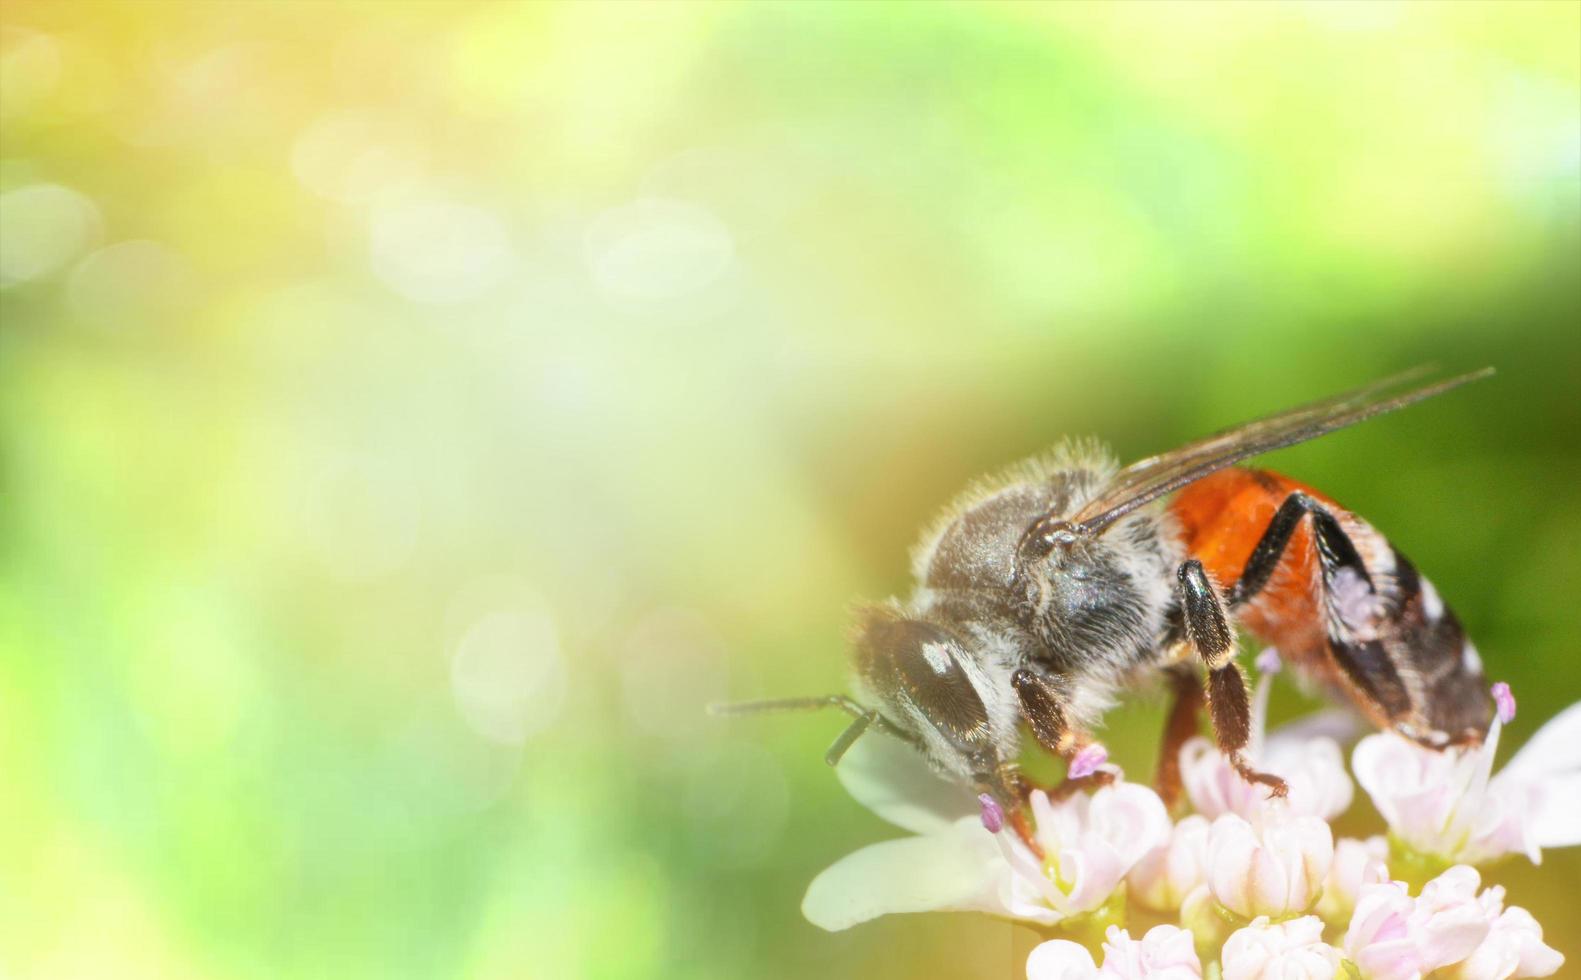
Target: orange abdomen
[
  {"x": 1377, "y": 631},
  {"x": 1222, "y": 517}
]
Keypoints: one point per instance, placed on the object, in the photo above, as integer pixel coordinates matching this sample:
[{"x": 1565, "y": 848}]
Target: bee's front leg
[
  {"x": 1019, "y": 819},
  {"x": 1042, "y": 704},
  {"x": 1208, "y": 631}
]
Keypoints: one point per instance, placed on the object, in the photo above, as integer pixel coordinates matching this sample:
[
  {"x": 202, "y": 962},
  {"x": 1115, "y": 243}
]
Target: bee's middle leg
[
  {"x": 1208, "y": 631},
  {"x": 1042, "y": 704},
  {"x": 1182, "y": 725}
]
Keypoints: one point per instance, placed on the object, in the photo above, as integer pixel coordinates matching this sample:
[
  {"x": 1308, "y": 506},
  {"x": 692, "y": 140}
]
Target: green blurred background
[{"x": 414, "y": 413}]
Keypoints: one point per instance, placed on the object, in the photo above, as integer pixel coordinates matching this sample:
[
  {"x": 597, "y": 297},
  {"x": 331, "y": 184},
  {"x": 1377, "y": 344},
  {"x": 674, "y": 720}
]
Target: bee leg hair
[
  {"x": 1366, "y": 668},
  {"x": 1041, "y": 705},
  {"x": 1208, "y": 631}
]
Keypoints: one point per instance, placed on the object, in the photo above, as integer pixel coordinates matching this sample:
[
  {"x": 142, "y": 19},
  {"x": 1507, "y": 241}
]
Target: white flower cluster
[{"x": 1260, "y": 886}]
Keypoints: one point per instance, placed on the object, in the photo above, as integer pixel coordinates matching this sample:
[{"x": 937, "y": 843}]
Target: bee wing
[
  {"x": 1151, "y": 478},
  {"x": 1138, "y": 472}
]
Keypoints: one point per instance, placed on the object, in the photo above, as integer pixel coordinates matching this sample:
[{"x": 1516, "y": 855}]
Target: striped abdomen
[{"x": 1353, "y": 613}]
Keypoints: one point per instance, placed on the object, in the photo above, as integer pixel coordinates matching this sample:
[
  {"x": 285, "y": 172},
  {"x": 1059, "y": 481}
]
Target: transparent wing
[
  {"x": 1139, "y": 472},
  {"x": 1151, "y": 478}
]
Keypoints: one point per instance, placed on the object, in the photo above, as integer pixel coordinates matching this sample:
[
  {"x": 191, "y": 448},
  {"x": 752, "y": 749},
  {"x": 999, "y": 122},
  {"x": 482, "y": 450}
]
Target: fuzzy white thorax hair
[{"x": 1086, "y": 455}]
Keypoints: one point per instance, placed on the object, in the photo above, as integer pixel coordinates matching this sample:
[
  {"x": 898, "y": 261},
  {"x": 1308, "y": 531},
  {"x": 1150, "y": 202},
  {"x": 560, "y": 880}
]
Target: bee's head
[{"x": 928, "y": 683}]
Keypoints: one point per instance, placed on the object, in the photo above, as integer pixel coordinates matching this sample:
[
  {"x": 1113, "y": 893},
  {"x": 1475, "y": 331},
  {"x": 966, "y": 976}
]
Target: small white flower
[
  {"x": 1514, "y": 948},
  {"x": 1447, "y": 805},
  {"x": 1304, "y": 753},
  {"x": 953, "y": 864},
  {"x": 1168, "y": 873},
  {"x": 1449, "y": 913},
  {"x": 1267, "y": 868},
  {"x": 1292, "y": 950},
  {"x": 952, "y": 868},
  {"x": 1164, "y": 953},
  {"x": 1061, "y": 959},
  {"x": 1089, "y": 845},
  {"x": 1381, "y": 940},
  {"x": 950, "y": 864},
  {"x": 1356, "y": 863},
  {"x": 1276, "y": 869},
  {"x": 1450, "y": 927}
]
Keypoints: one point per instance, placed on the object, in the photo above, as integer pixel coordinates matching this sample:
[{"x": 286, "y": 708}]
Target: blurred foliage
[{"x": 412, "y": 413}]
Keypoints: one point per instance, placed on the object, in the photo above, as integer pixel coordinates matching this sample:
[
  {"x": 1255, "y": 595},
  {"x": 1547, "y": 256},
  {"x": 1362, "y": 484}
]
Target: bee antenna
[
  {"x": 847, "y": 738},
  {"x": 864, "y": 717},
  {"x": 777, "y": 705}
]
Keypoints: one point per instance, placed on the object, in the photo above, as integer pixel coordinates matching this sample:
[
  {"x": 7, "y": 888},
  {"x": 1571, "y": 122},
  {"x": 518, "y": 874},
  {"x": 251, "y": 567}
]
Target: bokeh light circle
[
  {"x": 42, "y": 228},
  {"x": 355, "y": 157},
  {"x": 508, "y": 676},
  {"x": 657, "y": 250},
  {"x": 128, "y": 283},
  {"x": 29, "y": 70},
  {"x": 436, "y": 251},
  {"x": 672, "y": 667}
]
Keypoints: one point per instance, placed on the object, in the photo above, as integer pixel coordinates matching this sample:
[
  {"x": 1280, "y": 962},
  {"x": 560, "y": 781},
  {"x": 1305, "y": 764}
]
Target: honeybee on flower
[{"x": 1043, "y": 594}]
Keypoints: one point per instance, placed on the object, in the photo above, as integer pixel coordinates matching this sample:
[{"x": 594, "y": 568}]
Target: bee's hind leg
[
  {"x": 1087, "y": 763},
  {"x": 1208, "y": 631}
]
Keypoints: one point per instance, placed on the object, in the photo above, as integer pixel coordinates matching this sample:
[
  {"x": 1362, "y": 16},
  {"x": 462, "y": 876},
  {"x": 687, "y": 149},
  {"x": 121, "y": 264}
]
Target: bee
[{"x": 1045, "y": 592}]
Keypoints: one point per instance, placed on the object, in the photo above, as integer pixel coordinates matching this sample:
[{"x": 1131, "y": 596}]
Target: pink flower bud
[
  {"x": 1356, "y": 863},
  {"x": 1292, "y": 950},
  {"x": 1379, "y": 940},
  {"x": 1275, "y": 870},
  {"x": 1393, "y": 936},
  {"x": 1164, "y": 953},
  {"x": 1168, "y": 873}
]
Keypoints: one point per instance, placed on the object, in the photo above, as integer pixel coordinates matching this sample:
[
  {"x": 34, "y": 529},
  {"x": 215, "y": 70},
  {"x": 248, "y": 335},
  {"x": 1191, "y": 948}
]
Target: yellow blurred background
[{"x": 413, "y": 413}]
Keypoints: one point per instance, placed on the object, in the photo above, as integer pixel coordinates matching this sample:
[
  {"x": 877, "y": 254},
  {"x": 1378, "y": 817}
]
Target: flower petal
[
  {"x": 1340, "y": 724},
  {"x": 1535, "y": 958},
  {"x": 1551, "y": 761},
  {"x": 1555, "y": 748},
  {"x": 1131, "y": 818},
  {"x": 1378, "y": 939},
  {"x": 955, "y": 870},
  {"x": 1451, "y": 921},
  {"x": 1557, "y": 820},
  {"x": 893, "y": 780},
  {"x": 1170, "y": 953},
  {"x": 1164, "y": 876},
  {"x": 1356, "y": 863}
]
